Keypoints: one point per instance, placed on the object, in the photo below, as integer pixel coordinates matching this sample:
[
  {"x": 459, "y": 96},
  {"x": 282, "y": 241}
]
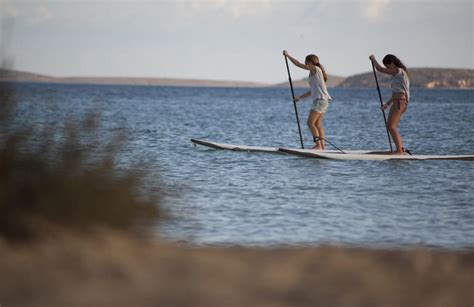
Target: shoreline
[
  {"x": 214, "y": 86},
  {"x": 422, "y": 77}
]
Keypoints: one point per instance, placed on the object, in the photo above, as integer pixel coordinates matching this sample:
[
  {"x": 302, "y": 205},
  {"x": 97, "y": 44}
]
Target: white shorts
[{"x": 320, "y": 105}]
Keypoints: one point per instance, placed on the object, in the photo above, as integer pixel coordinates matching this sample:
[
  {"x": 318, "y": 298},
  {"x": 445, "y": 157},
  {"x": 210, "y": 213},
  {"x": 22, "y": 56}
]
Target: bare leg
[
  {"x": 312, "y": 119},
  {"x": 319, "y": 126},
  {"x": 394, "y": 116}
]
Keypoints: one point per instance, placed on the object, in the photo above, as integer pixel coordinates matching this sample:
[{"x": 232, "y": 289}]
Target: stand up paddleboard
[
  {"x": 370, "y": 155},
  {"x": 234, "y": 147},
  {"x": 374, "y": 156}
]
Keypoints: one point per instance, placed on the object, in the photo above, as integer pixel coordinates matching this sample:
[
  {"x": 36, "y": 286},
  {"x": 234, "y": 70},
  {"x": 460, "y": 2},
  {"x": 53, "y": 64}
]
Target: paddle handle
[
  {"x": 381, "y": 105},
  {"x": 294, "y": 103}
]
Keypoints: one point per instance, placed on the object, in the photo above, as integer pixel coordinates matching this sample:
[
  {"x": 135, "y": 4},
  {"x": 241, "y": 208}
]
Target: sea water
[{"x": 239, "y": 198}]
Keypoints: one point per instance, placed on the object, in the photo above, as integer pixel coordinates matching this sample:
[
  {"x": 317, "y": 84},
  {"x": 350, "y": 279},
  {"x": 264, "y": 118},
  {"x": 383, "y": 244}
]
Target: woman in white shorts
[{"x": 319, "y": 94}]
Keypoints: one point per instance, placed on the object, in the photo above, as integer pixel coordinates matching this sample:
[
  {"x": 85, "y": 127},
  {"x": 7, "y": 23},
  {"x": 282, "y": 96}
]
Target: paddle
[
  {"x": 294, "y": 103},
  {"x": 381, "y": 104}
]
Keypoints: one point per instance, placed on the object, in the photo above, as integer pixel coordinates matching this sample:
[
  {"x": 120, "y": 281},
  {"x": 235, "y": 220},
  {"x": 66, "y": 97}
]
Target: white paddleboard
[
  {"x": 235, "y": 147},
  {"x": 374, "y": 156},
  {"x": 268, "y": 149}
]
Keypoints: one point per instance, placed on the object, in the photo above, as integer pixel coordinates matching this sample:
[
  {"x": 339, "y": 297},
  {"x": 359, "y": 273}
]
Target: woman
[
  {"x": 319, "y": 94},
  {"x": 398, "y": 103}
]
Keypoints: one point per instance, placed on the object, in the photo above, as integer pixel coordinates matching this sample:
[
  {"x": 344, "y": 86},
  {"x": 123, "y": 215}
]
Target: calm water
[{"x": 222, "y": 197}]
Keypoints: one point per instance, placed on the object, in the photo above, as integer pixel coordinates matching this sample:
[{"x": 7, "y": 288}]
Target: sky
[{"x": 230, "y": 39}]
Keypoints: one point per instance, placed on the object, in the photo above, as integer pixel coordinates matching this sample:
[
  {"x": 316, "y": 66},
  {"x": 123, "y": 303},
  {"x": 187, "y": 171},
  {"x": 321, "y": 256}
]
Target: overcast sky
[{"x": 231, "y": 40}]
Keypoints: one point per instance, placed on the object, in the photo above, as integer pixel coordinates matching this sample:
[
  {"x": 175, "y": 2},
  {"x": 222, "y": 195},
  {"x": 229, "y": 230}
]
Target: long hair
[
  {"x": 315, "y": 60},
  {"x": 390, "y": 58}
]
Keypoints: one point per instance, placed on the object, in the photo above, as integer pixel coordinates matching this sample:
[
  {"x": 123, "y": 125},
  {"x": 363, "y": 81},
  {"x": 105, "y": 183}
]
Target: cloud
[
  {"x": 374, "y": 8},
  {"x": 43, "y": 13},
  {"x": 35, "y": 12},
  {"x": 7, "y": 9},
  {"x": 234, "y": 8}
]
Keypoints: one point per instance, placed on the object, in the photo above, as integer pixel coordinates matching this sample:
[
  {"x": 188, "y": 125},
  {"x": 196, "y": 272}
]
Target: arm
[
  {"x": 305, "y": 95},
  {"x": 395, "y": 97},
  {"x": 297, "y": 63},
  {"x": 388, "y": 71}
]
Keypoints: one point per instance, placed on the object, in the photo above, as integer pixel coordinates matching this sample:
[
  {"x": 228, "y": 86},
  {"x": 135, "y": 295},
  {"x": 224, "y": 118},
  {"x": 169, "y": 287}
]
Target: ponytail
[{"x": 325, "y": 75}]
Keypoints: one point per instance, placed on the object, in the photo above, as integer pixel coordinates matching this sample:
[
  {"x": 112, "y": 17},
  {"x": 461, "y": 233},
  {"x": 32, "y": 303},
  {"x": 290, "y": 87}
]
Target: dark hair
[
  {"x": 390, "y": 58},
  {"x": 315, "y": 59}
]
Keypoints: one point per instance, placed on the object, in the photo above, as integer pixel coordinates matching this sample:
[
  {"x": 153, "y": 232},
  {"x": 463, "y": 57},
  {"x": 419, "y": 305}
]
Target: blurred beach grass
[{"x": 63, "y": 182}]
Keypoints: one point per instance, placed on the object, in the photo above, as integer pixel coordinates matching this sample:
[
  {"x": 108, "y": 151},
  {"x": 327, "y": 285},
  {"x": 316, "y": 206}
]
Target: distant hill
[
  {"x": 419, "y": 77},
  {"x": 333, "y": 81},
  {"x": 12, "y": 75}
]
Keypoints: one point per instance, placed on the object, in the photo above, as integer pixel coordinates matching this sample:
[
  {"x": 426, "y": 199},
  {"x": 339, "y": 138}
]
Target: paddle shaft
[
  {"x": 381, "y": 105},
  {"x": 294, "y": 103}
]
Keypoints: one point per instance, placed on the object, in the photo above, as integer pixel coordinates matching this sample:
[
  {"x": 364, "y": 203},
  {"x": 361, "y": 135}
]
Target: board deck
[{"x": 374, "y": 156}]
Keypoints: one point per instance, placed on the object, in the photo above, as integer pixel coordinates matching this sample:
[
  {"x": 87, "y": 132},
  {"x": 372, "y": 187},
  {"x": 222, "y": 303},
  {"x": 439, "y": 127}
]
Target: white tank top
[
  {"x": 318, "y": 85},
  {"x": 401, "y": 83}
]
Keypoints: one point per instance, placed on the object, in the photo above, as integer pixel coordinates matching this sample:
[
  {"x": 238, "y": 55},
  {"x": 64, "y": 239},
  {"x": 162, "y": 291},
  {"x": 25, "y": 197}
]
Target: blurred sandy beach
[{"x": 112, "y": 270}]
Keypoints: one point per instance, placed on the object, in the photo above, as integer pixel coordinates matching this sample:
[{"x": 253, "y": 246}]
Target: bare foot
[
  {"x": 398, "y": 153},
  {"x": 316, "y": 147}
]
